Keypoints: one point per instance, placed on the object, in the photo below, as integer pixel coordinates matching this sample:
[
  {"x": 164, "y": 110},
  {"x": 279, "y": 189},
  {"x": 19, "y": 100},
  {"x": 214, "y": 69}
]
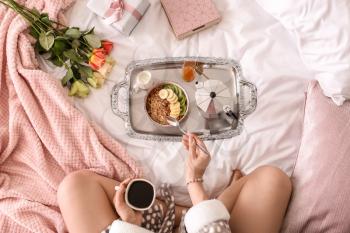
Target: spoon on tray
[{"x": 174, "y": 122}]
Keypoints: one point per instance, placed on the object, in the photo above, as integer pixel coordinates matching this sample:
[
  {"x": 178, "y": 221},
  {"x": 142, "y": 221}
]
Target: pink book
[{"x": 187, "y": 17}]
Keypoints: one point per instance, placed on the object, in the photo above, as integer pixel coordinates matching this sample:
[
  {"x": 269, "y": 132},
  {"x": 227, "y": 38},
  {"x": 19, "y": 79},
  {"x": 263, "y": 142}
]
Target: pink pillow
[{"x": 321, "y": 179}]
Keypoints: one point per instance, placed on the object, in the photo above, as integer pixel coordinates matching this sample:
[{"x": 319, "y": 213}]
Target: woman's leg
[
  {"x": 86, "y": 202},
  {"x": 258, "y": 201}
]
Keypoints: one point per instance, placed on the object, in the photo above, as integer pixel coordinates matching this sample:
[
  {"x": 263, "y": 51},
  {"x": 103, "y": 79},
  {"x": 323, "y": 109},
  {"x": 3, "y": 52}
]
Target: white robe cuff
[
  {"x": 204, "y": 213},
  {"x": 119, "y": 226}
]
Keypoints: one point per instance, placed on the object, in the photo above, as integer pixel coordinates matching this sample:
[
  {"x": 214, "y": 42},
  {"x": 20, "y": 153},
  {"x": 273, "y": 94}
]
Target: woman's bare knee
[
  {"x": 84, "y": 202},
  {"x": 273, "y": 177},
  {"x": 71, "y": 182},
  {"x": 264, "y": 197}
]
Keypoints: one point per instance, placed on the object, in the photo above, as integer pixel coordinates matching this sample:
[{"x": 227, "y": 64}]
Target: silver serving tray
[{"x": 129, "y": 105}]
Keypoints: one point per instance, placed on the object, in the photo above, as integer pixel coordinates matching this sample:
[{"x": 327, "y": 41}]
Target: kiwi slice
[
  {"x": 183, "y": 110},
  {"x": 167, "y": 86},
  {"x": 176, "y": 90},
  {"x": 181, "y": 94},
  {"x": 183, "y": 105},
  {"x": 182, "y": 102}
]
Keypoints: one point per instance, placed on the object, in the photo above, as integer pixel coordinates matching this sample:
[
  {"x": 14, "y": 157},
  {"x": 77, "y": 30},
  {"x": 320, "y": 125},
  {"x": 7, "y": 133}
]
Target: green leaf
[
  {"x": 67, "y": 77},
  {"x": 73, "y": 33},
  {"x": 62, "y": 30},
  {"x": 44, "y": 15},
  {"x": 85, "y": 72},
  {"x": 33, "y": 33},
  {"x": 62, "y": 38},
  {"x": 36, "y": 12},
  {"x": 93, "y": 40},
  {"x": 59, "y": 46},
  {"x": 73, "y": 55},
  {"x": 89, "y": 31},
  {"x": 38, "y": 48},
  {"x": 46, "y": 41},
  {"x": 56, "y": 61},
  {"x": 46, "y": 21},
  {"x": 75, "y": 44}
]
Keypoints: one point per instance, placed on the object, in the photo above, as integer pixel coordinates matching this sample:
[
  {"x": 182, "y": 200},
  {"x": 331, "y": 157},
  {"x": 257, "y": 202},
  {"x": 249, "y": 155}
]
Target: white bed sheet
[{"x": 269, "y": 59}]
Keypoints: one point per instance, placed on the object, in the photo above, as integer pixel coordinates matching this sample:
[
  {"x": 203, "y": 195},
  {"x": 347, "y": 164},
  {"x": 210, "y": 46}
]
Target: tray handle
[
  {"x": 116, "y": 100},
  {"x": 249, "y": 94}
]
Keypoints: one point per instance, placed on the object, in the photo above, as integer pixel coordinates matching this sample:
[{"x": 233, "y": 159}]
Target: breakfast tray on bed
[{"x": 131, "y": 105}]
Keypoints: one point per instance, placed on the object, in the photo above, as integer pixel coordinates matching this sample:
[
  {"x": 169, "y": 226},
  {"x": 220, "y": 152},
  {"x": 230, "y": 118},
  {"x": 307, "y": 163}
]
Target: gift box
[{"x": 123, "y": 15}]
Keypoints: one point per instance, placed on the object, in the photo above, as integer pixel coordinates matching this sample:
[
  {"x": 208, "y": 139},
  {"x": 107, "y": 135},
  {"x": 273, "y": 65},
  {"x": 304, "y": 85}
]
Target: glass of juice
[{"x": 188, "y": 71}]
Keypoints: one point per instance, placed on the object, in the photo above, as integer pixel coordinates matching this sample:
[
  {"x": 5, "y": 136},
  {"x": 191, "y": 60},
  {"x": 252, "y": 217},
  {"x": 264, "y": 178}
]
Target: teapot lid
[{"x": 212, "y": 95}]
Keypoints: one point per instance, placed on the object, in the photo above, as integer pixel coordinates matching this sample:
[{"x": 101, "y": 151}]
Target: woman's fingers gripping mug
[{"x": 140, "y": 194}]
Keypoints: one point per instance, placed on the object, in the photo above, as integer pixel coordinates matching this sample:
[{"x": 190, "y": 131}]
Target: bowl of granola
[{"x": 166, "y": 99}]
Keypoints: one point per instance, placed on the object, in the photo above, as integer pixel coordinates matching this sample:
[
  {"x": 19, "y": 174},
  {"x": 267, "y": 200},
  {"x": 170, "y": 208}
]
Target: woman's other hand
[
  {"x": 197, "y": 161},
  {"x": 124, "y": 211}
]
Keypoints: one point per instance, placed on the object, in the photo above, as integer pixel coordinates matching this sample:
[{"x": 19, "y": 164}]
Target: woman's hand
[
  {"x": 124, "y": 211},
  {"x": 197, "y": 160}
]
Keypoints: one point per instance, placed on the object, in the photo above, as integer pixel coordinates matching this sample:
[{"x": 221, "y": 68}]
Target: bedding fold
[{"x": 42, "y": 136}]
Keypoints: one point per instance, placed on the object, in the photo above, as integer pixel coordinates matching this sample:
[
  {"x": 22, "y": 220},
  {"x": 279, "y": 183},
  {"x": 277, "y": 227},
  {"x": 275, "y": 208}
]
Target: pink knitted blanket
[{"x": 42, "y": 136}]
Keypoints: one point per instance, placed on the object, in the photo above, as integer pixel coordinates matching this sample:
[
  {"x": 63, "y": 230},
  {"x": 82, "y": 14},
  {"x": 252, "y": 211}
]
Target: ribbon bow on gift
[{"x": 116, "y": 11}]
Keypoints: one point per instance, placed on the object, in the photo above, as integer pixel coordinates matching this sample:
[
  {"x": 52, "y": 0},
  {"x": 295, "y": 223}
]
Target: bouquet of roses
[{"x": 85, "y": 57}]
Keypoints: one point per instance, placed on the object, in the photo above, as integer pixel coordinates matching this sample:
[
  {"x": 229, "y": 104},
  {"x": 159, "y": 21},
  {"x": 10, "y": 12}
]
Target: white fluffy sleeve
[
  {"x": 205, "y": 213},
  {"x": 119, "y": 226}
]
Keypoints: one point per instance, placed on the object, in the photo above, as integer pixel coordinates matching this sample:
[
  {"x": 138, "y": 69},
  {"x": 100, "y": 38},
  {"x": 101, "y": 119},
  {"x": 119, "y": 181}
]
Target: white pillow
[{"x": 322, "y": 30}]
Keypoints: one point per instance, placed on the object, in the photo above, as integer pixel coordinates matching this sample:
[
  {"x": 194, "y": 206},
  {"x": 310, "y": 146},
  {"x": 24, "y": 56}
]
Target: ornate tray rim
[{"x": 161, "y": 138}]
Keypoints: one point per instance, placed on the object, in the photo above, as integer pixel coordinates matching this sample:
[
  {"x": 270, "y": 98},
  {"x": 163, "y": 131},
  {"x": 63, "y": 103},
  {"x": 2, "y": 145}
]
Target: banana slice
[
  {"x": 175, "y": 106},
  {"x": 175, "y": 111},
  {"x": 174, "y": 116},
  {"x": 170, "y": 94},
  {"x": 163, "y": 94},
  {"x": 173, "y": 100}
]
